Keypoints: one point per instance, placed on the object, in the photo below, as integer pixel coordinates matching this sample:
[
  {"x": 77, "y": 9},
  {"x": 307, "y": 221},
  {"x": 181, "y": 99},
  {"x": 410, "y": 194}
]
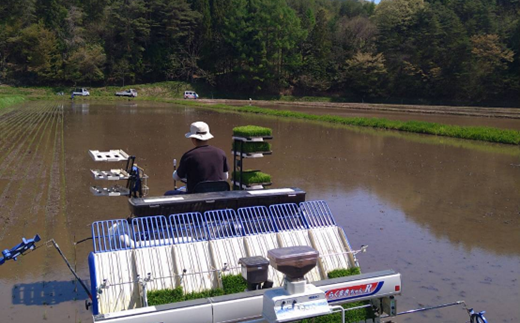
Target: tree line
[{"x": 452, "y": 50}]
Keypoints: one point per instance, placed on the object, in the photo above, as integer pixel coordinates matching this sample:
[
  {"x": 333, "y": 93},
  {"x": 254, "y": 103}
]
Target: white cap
[{"x": 199, "y": 130}]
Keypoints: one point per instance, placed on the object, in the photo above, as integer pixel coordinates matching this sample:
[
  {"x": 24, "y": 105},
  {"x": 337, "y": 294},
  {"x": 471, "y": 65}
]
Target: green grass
[
  {"x": 250, "y": 177},
  {"x": 251, "y": 131},
  {"x": 6, "y": 101},
  {"x": 251, "y": 147}
]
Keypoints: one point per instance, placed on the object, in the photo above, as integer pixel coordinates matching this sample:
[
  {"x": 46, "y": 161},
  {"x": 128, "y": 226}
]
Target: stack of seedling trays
[
  {"x": 115, "y": 175},
  {"x": 250, "y": 142},
  {"x": 251, "y": 179}
]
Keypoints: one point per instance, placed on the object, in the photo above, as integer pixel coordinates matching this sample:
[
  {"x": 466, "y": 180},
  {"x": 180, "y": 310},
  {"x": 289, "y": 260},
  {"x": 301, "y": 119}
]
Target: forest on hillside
[{"x": 431, "y": 50}]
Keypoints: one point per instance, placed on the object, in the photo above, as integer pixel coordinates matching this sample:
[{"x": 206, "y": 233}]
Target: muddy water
[{"x": 444, "y": 213}]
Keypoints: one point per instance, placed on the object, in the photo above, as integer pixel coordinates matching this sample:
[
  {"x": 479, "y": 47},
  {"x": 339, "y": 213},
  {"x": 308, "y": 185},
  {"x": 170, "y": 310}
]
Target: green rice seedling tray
[
  {"x": 231, "y": 284},
  {"x": 168, "y": 296},
  {"x": 251, "y": 131},
  {"x": 250, "y": 147},
  {"x": 250, "y": 177}
]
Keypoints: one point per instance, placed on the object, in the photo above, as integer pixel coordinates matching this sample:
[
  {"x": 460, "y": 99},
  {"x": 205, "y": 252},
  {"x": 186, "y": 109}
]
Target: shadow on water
[{"x": 47, "y": 293}]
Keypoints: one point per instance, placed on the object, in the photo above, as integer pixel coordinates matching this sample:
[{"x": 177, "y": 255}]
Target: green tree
[
  {"x": 366, "y": 74},
  {"x": 490, "y": 60},
  {"x": 263, "y": 35},
  {"x": 86, "y": 64},
  {"x": 130, "y": 31},
  {"x": 172, "y": 38},
  {"x": 18, "y": 12},
  {"x": 314, "y": 72},
  {"x": 35, "y": 55}
]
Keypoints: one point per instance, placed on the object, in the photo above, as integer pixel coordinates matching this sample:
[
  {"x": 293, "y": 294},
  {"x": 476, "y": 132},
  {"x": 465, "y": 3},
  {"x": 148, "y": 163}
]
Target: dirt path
[{"x": 512, "y": 113}]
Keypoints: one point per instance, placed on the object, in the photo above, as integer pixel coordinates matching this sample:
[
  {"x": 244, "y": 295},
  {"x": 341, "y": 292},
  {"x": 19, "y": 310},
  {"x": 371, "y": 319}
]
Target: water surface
[{"x": 443, "y": 212}]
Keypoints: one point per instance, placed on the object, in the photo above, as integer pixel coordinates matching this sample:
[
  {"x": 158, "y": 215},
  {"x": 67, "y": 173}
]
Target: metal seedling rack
[
  {"x": 239, "y": 154},
  {"x": 136, "y": 179}
]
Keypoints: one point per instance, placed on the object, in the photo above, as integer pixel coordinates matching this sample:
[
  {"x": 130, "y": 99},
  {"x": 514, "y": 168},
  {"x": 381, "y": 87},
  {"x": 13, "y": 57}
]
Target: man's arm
[
  {"x": 177, "y": 178},
  {"x": 180, "y": 174}
]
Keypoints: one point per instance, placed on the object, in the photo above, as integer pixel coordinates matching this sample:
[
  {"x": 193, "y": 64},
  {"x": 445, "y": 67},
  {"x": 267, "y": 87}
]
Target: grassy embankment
[
  {"x": 148, "y": 92},
  {"x": 6, "y": 101},
  {"x": 488, "y": 134},
  {"x": 171, "y": 92}
]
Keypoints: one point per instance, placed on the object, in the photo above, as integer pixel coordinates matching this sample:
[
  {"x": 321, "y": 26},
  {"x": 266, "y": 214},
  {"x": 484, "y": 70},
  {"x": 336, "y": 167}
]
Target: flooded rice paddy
[{"x": 443, "y": 212}]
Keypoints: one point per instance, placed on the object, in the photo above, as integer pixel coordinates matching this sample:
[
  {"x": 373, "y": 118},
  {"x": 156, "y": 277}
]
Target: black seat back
[{"x": 211, "y": 186}]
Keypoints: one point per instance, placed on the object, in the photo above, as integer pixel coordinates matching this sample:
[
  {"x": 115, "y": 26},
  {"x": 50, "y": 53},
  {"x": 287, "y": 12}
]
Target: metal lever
[{"x": 19, "y": 250}]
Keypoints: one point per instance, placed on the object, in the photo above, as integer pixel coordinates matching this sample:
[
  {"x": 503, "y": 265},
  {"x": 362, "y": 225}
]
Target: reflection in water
[
  {"x": 443, "y": 212},
  {"x": 81, "y": 108},
  {"x": 130, "y": 107},
  {"x": 452, "y": 191},
  {"x": 46, "y": 293}
]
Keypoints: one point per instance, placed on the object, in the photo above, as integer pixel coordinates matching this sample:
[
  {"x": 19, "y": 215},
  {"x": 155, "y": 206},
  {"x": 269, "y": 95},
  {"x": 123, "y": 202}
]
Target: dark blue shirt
[{"x": 204, "y": 163}]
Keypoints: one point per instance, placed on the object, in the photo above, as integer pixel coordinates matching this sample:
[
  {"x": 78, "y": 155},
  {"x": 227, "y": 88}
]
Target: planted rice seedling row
[
  {"x": 22, "y": 133},
  {"x": 8, "y": 116},
  {"x": 17, "y": 123},
  {"x": 26, "y": 189},
  {"x": 19, "y": 179},
  {"x": 23, "y": 148},
  {"x": 55, "y": 218}
]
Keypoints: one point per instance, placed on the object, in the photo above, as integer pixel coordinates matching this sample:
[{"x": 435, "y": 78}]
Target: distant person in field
[{"x": 202, "y": 163}]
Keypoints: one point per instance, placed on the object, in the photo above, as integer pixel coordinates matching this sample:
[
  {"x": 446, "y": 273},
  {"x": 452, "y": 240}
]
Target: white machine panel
[
  {"x": 115, "y": 190},
  {"x": 116, "y": 279},
  {"x": 110, "y": 175},
  {"x": 193, "y": 267},
  {"x": 258, "y": 245},
  {"x": 158, "y": 262},
  {"x": 115, "y": 155}
]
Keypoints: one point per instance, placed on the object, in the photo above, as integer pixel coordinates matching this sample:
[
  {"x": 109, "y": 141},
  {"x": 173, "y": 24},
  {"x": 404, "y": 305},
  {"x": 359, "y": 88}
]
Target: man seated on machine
[{"x": 202, "y": 163}]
